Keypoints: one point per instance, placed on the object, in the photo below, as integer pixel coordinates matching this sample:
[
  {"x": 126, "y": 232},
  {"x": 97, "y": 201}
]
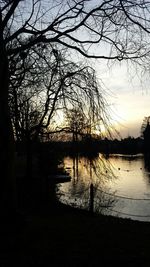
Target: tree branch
[{"x": 10, "y": 12}]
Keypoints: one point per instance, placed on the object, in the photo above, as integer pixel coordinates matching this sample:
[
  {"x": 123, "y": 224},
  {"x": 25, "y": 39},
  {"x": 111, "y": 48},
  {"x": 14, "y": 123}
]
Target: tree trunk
[
  {"x": 28, "y": 157},
  {"x": 7, "y": 181}
]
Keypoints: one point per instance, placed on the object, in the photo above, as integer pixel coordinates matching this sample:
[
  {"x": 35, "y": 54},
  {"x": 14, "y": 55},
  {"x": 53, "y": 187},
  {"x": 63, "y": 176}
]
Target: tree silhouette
[
  {"x": 145, "y": 130},
  {"x": 82, "y": 26}
]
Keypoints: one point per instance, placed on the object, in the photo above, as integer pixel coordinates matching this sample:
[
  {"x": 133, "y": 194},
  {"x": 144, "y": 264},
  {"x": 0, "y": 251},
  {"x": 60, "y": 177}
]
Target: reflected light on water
[{"x": 121, "y": 185}]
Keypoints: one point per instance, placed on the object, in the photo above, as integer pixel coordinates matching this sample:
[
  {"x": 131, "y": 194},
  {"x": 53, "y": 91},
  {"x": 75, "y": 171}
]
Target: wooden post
[{"x": 91, "y": 204}]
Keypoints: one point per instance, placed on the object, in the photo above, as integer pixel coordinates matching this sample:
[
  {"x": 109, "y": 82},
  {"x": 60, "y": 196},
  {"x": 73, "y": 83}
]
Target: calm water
[{"x": 121, "y": 185}]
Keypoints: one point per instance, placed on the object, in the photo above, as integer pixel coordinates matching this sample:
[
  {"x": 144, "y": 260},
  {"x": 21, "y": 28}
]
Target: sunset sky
[{"x": 129, "y": 97}]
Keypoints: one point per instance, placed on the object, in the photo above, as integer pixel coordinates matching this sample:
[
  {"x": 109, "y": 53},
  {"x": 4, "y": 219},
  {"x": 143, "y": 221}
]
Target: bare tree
[
  {"x": 83, "y": 26},
  {"x": 145, "y": 123},
  {"x": 76, "y": 122},
  {"x": 145, "y": 133},
  {"x": 46, "y": 82},
  {"x": 58, "y": 85}
]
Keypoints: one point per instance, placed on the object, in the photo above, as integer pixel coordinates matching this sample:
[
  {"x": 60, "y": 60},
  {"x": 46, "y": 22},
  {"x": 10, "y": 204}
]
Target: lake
[{"x": 118, "y": 185}]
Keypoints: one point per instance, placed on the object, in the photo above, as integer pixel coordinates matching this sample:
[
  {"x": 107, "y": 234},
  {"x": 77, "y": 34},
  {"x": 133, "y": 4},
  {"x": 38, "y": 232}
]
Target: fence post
[{"x": 91, "y": 204}]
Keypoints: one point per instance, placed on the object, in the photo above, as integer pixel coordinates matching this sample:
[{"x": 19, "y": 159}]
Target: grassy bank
[{"x": 65, "y": 236}]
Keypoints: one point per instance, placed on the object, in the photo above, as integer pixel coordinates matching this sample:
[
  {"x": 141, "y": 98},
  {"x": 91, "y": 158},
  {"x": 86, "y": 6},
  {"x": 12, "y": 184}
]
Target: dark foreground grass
[{"x": 64, "y": 236}]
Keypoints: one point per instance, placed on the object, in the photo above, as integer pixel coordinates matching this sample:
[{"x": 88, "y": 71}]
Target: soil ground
[{"x": 64, "y": 236}]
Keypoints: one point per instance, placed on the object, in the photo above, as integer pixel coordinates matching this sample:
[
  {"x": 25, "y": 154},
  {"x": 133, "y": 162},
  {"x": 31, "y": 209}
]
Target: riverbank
[{"x": 64, "y": 236}]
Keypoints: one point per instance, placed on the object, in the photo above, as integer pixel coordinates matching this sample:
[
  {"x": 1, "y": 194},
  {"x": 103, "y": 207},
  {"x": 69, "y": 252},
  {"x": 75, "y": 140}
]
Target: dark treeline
[{"x": 129, "y": 145}]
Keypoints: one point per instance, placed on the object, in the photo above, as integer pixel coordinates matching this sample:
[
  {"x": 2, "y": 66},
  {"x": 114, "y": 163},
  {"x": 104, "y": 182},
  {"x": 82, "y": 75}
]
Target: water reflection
[
  {"x": 89, "y": 177},
  {"x": 133, "y": 186},
  {"x": 121, "y": 185}
]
